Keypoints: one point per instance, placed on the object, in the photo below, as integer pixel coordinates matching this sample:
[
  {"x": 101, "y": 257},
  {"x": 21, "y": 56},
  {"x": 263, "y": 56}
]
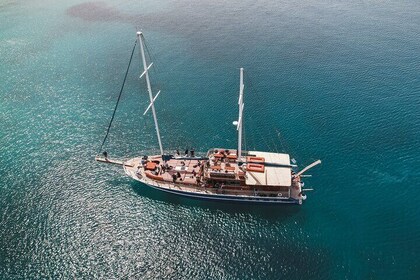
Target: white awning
[{"x": 273, "y": 175}]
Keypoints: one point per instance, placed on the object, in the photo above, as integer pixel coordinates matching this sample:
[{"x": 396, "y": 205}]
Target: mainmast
[
  {"x": 149, "y": 88},
  {"x": 240, "y": 118}
]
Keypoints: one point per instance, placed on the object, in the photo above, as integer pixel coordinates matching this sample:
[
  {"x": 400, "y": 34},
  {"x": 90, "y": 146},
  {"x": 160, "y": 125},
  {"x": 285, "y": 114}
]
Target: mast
[
  {"x": 241, "y": 108},
  {"x": 149, "y": 88}
]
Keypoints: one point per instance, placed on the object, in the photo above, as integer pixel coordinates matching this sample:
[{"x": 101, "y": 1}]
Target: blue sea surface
[{"x": 335, "y": 80}]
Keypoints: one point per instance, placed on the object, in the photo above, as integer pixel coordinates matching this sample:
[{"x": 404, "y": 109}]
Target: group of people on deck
[{"x": 191, "y": 152}]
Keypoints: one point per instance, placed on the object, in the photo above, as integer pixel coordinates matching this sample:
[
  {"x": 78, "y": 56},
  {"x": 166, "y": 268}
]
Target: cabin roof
[{"x": 272, "y": 175}]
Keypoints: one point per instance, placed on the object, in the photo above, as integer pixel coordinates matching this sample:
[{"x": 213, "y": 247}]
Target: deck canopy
[{"x": 272, "y": 175}]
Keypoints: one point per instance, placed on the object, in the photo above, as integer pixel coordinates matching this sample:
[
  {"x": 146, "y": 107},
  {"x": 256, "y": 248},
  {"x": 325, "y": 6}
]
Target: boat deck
[
  {"x": 185, "y": 171},
  {"x": 200, "y": 189},
  {"x": 213, "y": 175}
]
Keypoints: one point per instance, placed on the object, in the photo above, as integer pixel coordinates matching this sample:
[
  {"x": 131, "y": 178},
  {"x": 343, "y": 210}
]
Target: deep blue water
[{"x": 339, "y": 81}]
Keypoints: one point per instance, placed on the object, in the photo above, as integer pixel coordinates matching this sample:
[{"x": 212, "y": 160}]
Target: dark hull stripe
[{"x": 225, "y": 197}]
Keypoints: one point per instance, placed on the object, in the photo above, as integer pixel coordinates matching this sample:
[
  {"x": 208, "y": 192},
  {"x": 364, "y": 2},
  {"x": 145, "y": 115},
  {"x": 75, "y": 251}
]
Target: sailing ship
[{"x": 222, "y": 174}]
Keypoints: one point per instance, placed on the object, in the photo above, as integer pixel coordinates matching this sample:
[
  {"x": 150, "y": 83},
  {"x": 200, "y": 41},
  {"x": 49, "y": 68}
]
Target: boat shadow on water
[
  {"x": 266, "y": 211},
  {"x": 286, "y": 257}
]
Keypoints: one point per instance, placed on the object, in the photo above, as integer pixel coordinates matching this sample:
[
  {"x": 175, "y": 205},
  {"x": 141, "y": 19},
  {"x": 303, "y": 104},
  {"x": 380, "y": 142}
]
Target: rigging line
[
  {"x": 252, "y": 135},
  {"x": 152, "y": 58},
  {"x": 281, "y": 141},
  {"x": 274, "y": 147},
  {"x": 156, "y": 70},
  {"x": 259, "y": 129},
  {"x": 274, "y": 144},
  {"x": 285, "y": 145},
  {"x": 244, "y": 138},
  {"x": 119, "y": 97},
  {"x": 148, "y": 51}
]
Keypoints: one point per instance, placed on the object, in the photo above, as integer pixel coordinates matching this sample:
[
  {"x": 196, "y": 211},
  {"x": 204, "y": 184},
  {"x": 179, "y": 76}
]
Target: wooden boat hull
[
  {"x": 202, "y": 195},
  {"x": 228, "y": 198}
]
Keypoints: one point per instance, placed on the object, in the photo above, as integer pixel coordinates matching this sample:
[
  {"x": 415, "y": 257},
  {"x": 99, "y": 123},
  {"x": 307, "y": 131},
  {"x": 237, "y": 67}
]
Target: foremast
[{"x": 149, "y": 88}]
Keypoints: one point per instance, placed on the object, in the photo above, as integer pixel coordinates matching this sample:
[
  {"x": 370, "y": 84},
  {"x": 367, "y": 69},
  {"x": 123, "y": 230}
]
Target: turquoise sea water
[{"x": 340, "y": 81}]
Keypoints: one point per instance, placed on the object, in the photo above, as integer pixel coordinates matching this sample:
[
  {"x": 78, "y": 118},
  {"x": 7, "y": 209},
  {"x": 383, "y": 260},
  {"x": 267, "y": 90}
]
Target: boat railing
[
  {"x": 213, "y": 190},
  {"x": 255, "y": 193}
]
